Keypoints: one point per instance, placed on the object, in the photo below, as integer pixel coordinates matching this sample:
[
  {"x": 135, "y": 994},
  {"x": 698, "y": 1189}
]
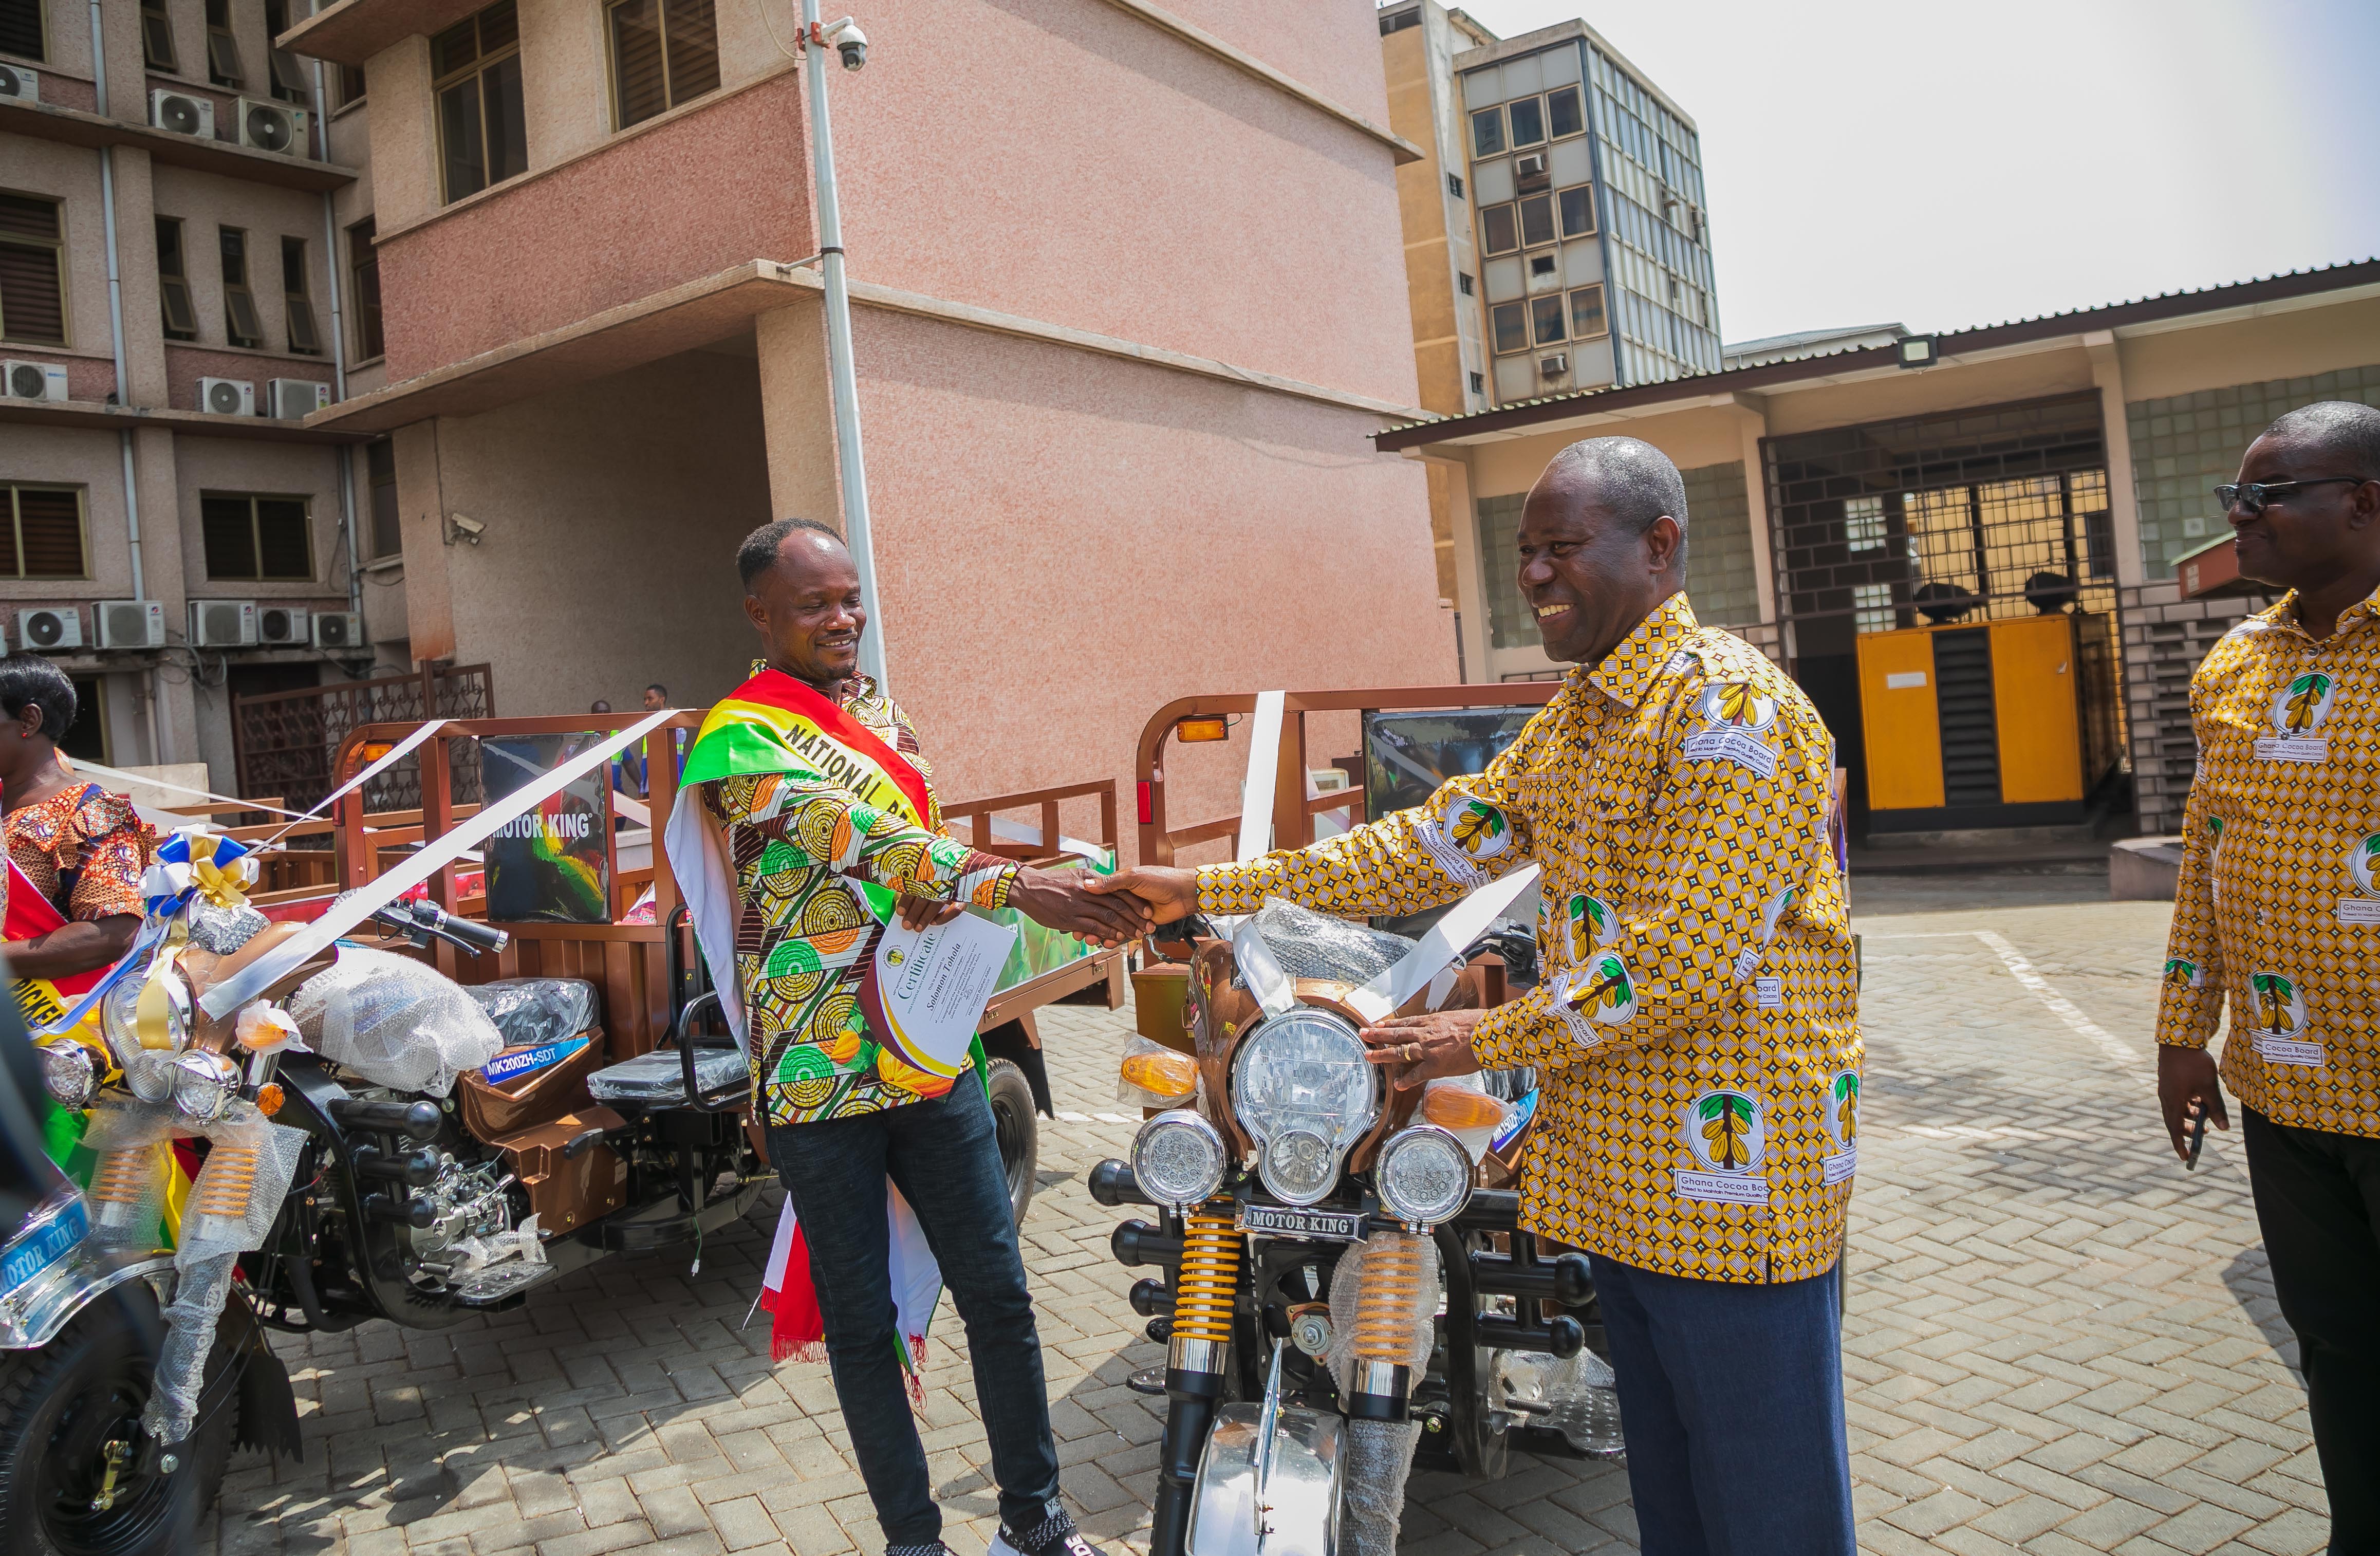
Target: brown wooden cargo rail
[
  {"x": 1293, "y": 813},
  {"x": 628, "y": 963}
]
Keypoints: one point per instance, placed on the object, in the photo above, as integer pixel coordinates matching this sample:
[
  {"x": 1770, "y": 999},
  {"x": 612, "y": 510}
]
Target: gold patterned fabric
[
  {"x": 1696, "y": 1031},
  {"x": 2278, "y": 912},
  {"x": 807, "y": 858}
]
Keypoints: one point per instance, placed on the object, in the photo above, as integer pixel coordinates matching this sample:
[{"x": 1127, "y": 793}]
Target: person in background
[
  {"x": 81, "y": 847},
  {"x": 2278, "y": 912},
  {"x": 657, "y": 698},
  {"x": 628, "y": 767},
  {"x": 1696, "y": 1033}
]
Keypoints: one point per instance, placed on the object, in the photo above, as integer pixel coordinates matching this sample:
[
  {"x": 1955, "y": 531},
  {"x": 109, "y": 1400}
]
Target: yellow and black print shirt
[
  {"x": 805, "y": 854},
  {"x": 1697, "y": 1032},
  {"x": 2278, "y": 907}
]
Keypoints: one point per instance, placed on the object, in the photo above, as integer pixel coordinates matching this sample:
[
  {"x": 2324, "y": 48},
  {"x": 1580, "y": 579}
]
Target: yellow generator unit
[{"x": 1968, "y": 721}]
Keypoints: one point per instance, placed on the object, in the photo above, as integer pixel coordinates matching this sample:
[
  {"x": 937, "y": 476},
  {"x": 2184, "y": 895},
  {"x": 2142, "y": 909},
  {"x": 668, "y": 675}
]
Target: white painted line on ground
[
  {"x": 2065, "y": 1009},
  {"x": 1073, "y": 1118},
  {"x": 1112, "y": 1118}
]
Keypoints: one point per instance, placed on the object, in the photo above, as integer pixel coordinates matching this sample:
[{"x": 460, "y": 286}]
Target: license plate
[
  {"x": 1281, "y": 1221},
  {"x": 49, "y": 1238}
]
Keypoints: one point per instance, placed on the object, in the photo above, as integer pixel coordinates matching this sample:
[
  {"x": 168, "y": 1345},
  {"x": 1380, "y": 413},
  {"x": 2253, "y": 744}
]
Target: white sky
[{"x": 1869, "y": 160}]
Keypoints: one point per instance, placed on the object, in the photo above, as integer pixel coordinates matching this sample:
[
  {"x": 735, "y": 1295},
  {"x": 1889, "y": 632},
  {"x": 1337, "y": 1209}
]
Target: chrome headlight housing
[
  {"x": 67, "y": 1074},
  {"x": 1178, "y": 1159},
  {"x": 205, "y": 1084},
  {"x": 1303, "y": 1088},
  {"x": 119, "y": 1011},
  {"x": 1424, "y": 1175}
]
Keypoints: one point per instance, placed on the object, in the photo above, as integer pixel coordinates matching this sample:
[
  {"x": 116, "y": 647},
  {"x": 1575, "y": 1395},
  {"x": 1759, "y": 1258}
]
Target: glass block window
[
  {"x": 2186, "y": 444},
  {"x": 1509, "y": 626}
]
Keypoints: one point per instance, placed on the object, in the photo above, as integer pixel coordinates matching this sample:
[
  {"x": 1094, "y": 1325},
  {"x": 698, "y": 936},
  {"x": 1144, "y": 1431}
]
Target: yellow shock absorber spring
[
  {"x": 1388, "y": 1291},
  {"x": 122, "y": 1176},
  {"x": 224, "y": 1187},
  {"x": 1210, "y": 1275}
]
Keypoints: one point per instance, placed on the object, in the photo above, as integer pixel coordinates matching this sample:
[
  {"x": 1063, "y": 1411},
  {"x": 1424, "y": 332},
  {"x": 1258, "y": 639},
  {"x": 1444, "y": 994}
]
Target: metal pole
[{"x": 856, "y": 532}]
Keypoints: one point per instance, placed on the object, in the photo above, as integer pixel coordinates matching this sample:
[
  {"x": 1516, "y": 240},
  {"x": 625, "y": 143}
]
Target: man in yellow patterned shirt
[
  {"x": 1695, "y": 1034},
  {"x": 2278, "y": 910}
]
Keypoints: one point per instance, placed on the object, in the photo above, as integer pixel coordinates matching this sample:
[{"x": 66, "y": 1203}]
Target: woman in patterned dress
[{"x": 78, "y": 846}]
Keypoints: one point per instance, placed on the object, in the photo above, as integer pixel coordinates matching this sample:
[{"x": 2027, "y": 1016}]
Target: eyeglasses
[{"x": 2257, "y": 495}]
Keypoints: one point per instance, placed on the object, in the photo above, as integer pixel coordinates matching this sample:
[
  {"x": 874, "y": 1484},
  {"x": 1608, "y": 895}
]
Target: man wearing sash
[
  {"x": 76, "y": 852},
  {"x": 1695, "y": 1036},
  {"x": 821, "y": 807}
]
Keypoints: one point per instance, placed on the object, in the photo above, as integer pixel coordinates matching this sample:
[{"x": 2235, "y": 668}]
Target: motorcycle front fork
[{"x": 1199, "y": 1353}]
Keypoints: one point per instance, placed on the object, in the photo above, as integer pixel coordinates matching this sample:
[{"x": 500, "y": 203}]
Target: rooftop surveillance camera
[
  {"x": 461, "y": 526},
  {"x": 849, "y": 42}
]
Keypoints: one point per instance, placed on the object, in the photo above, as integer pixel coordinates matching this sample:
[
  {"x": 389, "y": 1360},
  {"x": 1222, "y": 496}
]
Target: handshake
[{"x": 1104, "y": 909}]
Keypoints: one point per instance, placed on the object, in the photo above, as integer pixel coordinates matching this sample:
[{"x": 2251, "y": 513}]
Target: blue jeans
[
  {"x": 945, "y": 1158},
  {"x": 1731, "y": 1397}
]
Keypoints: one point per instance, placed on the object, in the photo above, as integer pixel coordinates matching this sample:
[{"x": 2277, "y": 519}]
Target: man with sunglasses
[{"x": 2279, "y": 909}]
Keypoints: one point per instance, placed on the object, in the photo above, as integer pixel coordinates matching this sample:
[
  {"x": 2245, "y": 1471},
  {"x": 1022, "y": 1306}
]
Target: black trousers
[{"x": 2318, "y": 1201}]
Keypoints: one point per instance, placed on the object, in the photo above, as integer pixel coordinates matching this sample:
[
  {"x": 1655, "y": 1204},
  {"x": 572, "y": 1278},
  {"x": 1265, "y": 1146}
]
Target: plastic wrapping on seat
[
  {"x": 223, "y": 929},
  {"x": 659, "y": 1078},
  {"x": 1372, "y": 1486},
  {"x": 1311, "y": 944},
  {"x": 397, "y": 1022},
  {"x": 530, "y": 1011}
]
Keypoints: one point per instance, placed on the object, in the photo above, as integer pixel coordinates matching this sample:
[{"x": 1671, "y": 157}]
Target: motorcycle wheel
[
  {"x": 60, "y": 1408},
  {"x": 1019, "y": 1132}
]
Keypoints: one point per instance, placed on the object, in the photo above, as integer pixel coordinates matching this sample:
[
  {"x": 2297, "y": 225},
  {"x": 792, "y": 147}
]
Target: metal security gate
[{"x": 285, "y": 741}]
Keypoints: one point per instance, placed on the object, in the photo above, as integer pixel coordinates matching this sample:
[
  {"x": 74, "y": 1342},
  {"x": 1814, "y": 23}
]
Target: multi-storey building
[
  {"x": 1116, "y": 381},
  {"x": 1556, "y": 234},
  {"x": 175, "y": 299}
]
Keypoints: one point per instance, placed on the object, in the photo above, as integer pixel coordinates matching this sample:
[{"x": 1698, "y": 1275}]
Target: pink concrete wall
[
  {"x": 1066, "y": 542},
  {"x": 684, "y": 201},
  {"x": 1331, "y": 47},
  {"x": 1066, "y": 161}
]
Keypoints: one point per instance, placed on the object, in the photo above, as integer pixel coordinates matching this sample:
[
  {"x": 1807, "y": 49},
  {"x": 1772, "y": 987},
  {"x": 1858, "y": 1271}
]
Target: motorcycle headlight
[
  {"x": 1424, "y": 1175},
  {"x": 1301, "y": 1085},
  {"x": 119, "y": 1011},
  {"x": 205, "y": 1084},
  {"x": 1178, "y": 1159},
  {"x": 67, "y": 1073}
]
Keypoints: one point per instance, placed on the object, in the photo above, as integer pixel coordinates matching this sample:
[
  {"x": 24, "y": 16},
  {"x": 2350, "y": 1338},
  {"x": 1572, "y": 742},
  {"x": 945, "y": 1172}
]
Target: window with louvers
[
  {"x": 664, "y": 52},
  {"x": 32, "y": 291},
  {"x": 43, "y": 536},
  {"x": 20, "y": 29}
]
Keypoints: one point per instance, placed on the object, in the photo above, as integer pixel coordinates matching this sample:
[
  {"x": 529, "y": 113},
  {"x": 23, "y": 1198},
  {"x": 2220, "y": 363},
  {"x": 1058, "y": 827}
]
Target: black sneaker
[
  {"x": 935, "y": 1548},
  {"x": 1054, "y": 1536}
]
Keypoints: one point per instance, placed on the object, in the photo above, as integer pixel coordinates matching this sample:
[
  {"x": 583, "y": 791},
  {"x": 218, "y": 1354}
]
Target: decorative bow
[{"x": 196, "y": 862}]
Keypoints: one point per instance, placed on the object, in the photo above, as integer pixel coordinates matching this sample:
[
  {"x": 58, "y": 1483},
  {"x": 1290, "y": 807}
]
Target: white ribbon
[
  {"x": 1264, "y": 761},
  {"x": 388, "y": 759},
  {"x": 352, "y": 909},
  {"x": 77, "y": 764},
  {"x": 1456, "y": 928}
]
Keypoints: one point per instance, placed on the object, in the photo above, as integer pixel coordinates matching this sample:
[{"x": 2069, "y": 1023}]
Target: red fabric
[
  {"x": 32, "y": 915},
  {"x": 797, "y": 1330}
]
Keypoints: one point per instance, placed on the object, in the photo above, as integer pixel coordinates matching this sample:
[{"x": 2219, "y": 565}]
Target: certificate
[{"x": 929, "y": 987}]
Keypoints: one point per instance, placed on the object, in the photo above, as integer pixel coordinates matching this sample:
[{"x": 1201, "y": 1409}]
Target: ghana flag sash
[
  {"x": 775, "y": 724},
  {"x": 44, "y": 1001}
]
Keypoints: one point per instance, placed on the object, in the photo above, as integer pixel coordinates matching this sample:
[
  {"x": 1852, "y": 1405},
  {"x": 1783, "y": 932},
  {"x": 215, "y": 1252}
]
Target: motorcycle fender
[
  {"x": 31, "y": 1315},
  {"x": 268, "y": 1405},
  {"x": 1300, "y": 1485}
]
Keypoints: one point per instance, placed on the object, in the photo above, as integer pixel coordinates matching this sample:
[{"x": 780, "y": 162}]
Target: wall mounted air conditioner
[
  {"x": 1531, "y": 169},
  {"x": 19, "y": 85},
  {"x": 227, "y": 397},
  {"x": 1554, "y": 366},
  {"x": 289, "y": 398},
  {"x": 273, "y": 127},
  {"x": 338, "y": 629},
  {"x": 282, "y": 626},
  {"x": 49, "y": 628},
  {"x": 129, "y": 624},
  {"x": 33, "y": 380},
  {"x": 222, "y": 624},
  {"x": 182, "y": 113}
]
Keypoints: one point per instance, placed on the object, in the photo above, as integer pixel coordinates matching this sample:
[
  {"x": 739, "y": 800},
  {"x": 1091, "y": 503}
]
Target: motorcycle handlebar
[{"x": 423, "y": 920}]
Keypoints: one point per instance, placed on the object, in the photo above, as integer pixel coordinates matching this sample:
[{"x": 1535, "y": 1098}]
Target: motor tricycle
[
  {"x": 1344, "y": 1279},
  {"x": 370, "y": 1137}
]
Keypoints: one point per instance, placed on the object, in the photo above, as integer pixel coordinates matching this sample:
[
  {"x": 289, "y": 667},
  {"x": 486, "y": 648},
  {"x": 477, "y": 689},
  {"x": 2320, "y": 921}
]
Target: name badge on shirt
[
  {"x": 2288, "y": 1051},
  {"x": 1768, "y": 993},
  {"x": 2293, "y": 748}
]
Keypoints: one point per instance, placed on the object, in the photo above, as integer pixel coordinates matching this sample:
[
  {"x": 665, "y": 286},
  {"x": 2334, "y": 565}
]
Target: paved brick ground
[{"x": 2057, "y": 1340}]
